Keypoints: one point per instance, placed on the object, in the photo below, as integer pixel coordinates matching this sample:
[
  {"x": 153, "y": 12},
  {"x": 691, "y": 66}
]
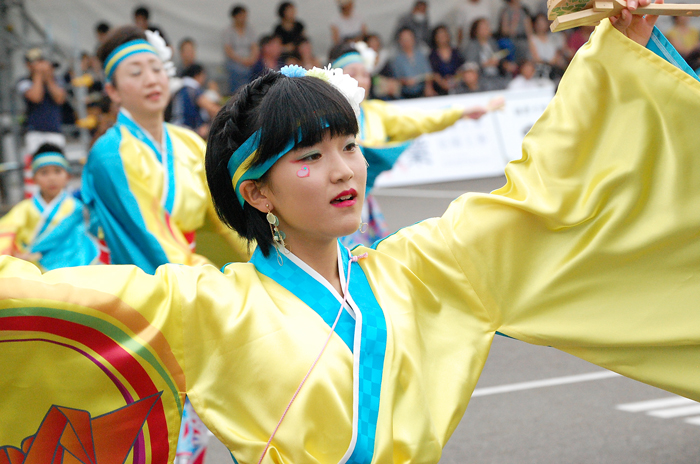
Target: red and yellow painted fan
[{"x": 566, "y": 14}]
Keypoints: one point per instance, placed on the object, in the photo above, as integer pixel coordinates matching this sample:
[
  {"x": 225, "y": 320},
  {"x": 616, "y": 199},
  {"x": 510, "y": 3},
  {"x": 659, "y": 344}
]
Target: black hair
[
  {"x": 193, "y": 70},
  {"x": 282, "y": 8},
  {"x": 433, "y": 42},
  {"x": 186, "y": 40},
  {"x": 102, "y": 27},
  {"x": 266, "y": 39},
  {"x": 340, "y": 50},
  {"x": 405, "y": 28},
  {"x": 237, "y": 9},
  {"x": 117, "y": 37},
  {"x": 143, "y": 12},
  {"x": 47, "y": 147},
  {"x": 281, "y": 108},
  {"x": 475, "y": 26}
]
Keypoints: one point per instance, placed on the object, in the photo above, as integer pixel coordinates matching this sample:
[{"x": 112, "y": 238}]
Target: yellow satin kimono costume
[
  {"x": 148, "y": 200},
  {"x": 591, "y": 247},
  {"x": 54, "y": 232}
]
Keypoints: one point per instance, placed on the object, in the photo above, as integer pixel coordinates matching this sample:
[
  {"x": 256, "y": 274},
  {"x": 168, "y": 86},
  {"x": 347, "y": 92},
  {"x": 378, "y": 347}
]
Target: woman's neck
[
  {"x": 322, "y": 257},
  {"x": 151, "y": 124},
  {"x": 288, "y": 24}
]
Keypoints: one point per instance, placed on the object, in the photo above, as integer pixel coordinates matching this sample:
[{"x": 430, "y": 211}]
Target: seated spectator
[
  {"x": 187, "y": 51},
  {"x": 467, "y": 12},
  {"x": 469, "y": 79},
  {"x": 483, "y": 50},
  {"x": 444, "y": 60},
  {"x": 684, "y": 37},
  {"x": 240, "y": 47},
  {"x": 577, "y": 37},
  {"x": 374, "y": 42},
  {"x": 515, "y": 28},
  {"x": 44, "y": 97},
  {"x": 412, "y": 68},
  {"x": 289, "y": 30},
  {"x": 348, "y": 26},
  {"x": 306, "y": 54},
  {"x": 270, "y": 56},
  {"x": 527, "y": 78},
  {"x": 141, "y": 20},
  {"x": 417, "y": 21},
  {"x": 191, "y": 107},
  {"x": 101, "y": 31},
  {"x": 548, "y": 49}
]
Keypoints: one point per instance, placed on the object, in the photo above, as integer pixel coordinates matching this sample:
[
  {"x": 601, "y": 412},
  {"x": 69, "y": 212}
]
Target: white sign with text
[{"x": 468, "y": 149}]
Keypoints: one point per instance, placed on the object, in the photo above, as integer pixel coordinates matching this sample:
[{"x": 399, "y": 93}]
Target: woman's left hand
[{"x": 636, "y": 27}]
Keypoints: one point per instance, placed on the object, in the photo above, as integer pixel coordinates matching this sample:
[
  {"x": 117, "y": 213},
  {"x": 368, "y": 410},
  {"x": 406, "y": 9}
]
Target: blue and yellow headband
[
  {"x": 348, "y": 59},
  {"x": 49, "y": 158},
  {"x": 240, "y": 165},
  {"x": 124, "y": 51}
]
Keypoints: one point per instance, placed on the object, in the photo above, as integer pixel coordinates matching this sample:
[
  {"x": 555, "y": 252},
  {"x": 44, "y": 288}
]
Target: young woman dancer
[
  {"x": 144, "y": 181},
  {"x": 591, "y": 247}
]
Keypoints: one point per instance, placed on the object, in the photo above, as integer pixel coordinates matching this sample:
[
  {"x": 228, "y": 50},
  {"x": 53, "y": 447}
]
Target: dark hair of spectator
[
  {"x": 283, "y": 8},
  {"x": 186, "y": 40},
  {"x": 404, "y": 29},
  {"x": 266, "y": 39},
  {"x": 47, "y": 147},
  {"x": 433, "y": 35},
  {"x": 237, "y": 9},
  {"x": 142, "y": 11},
  {"x": 281, "y": 107},
  {"x": 475, "y": 26},
  {"x": 340, "y": 50},
  {"x": 193, "y": 70},
  {"x": 420, "y": 3},
  {"x": 102, "y": 27},
  {"x": 117, "y": 37}
]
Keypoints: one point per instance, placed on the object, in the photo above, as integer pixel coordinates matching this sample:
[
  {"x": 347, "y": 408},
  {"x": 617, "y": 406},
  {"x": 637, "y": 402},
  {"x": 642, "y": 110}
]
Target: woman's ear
[
  {"x": 252, "y": 193},
  {"x": 113, "y": 93}
]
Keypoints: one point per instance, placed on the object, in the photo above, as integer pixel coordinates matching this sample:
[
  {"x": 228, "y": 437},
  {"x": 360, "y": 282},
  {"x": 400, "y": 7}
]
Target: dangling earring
[
  {"x": 277, "y": 235},
  {"x": 363, "y": 227}
]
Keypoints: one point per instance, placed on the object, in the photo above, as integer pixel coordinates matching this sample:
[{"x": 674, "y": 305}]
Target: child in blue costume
[{"x": 49, "y": 229}]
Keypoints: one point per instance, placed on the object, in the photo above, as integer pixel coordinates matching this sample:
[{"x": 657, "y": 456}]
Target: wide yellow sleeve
[
  {"x": 16, "y": 227},
  {"x": 92, "y": 355},
  {"x": 592, "y": 245},
  {"x": 386, "y": 122}
]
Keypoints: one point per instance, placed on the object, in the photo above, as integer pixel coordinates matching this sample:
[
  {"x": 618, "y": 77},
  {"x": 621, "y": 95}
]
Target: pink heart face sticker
[{"x": 304, "y": 171}]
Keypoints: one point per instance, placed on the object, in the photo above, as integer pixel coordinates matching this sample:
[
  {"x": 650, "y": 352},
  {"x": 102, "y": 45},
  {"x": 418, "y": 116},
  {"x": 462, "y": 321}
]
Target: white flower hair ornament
[
  {"x": 343, "y": 82},
  {"x": 369, "y": 56},
  {"x": 164, "y": 52}
]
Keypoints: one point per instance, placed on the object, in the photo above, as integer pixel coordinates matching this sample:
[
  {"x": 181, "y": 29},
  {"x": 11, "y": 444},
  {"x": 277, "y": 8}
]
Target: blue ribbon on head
[
  {"x": 124, "y": 51},
  {"x": 240, "y": 165},
  {"x": 50, "y": 158}
]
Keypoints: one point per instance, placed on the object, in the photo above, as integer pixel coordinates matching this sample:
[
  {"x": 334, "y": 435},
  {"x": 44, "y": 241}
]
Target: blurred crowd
[{"x": 476, "y": 52}]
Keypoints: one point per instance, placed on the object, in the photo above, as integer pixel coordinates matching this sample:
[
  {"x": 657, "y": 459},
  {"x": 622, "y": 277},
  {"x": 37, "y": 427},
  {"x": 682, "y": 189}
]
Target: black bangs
[{"x": 305, "y": 106}]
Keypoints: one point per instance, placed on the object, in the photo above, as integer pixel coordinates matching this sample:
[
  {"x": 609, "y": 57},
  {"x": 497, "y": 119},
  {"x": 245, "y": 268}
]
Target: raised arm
[{"x": 591, "y": 246}]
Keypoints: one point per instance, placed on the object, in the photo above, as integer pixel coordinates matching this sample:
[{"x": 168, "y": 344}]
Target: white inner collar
[{"x": 350, "y": 305}]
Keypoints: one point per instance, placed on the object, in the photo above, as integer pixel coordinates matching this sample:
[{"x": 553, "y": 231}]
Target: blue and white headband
[
  {"x": 240, "y": 165},
  {"x": 49, "y": 158},
  {"x": 124, "y": 51},
  {"x": 348, "y": 59}
]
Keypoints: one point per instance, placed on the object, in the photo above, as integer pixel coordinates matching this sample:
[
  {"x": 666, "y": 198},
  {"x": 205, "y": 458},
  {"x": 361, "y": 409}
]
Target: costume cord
[{"x": 353, "y": 259}]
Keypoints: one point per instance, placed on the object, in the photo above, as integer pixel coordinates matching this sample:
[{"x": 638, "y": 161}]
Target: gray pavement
[{"x": 607, "y": 420}]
